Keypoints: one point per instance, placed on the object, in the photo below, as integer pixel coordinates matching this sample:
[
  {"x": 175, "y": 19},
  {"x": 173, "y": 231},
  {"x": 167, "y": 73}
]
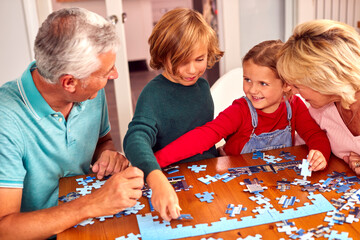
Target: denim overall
[{"x": 266, "y": 141}]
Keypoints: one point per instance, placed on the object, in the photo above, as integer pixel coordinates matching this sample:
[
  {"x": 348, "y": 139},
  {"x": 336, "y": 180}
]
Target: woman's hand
[{"x": 353, "y": 160}]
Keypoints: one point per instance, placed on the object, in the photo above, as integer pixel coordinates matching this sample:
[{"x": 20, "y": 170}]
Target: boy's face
[
  {"x": 191, "y": 69},
  {"x": 262, "y": 87}
]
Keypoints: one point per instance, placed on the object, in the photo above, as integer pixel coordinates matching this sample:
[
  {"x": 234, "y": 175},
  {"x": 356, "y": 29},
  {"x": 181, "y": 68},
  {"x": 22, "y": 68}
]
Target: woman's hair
[
  {"x": 69, "y": 42},
  {"x": 325, "y": 56},
  {"x": 175, "y": 37},
  {"x": 265, "y": 54}
]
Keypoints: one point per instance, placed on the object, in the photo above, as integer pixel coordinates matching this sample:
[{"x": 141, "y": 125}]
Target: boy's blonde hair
[
  {"x": 175, "y": 37},
  {"x": 325, "y": 56}
]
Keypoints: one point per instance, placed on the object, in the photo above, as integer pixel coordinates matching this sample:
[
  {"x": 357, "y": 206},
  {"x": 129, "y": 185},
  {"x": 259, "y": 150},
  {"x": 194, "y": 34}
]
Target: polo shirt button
[
  {"x": 55, "y": 115},
  {"x": 60, "y": 119},
  {"x": 69, "y": 130}
]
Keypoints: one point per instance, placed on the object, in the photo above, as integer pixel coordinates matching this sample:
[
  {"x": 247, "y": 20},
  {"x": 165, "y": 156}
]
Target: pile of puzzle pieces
[{"x": 151, "y": 228}]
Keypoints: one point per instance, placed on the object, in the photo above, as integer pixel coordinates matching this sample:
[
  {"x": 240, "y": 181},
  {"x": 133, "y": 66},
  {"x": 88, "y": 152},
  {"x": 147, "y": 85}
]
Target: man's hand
[
  {"x": 120, "y": 191},
  {"x": 109, "y": 163}
]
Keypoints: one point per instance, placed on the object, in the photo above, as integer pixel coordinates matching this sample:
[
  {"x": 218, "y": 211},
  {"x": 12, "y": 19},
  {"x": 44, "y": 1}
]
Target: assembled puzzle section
[{"x": 150, "y": 228}]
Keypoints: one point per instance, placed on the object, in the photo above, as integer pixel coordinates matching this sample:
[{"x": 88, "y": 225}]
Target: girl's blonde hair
[
  {"x": 325, "y": 56},
  {"x": 175, "y": 37}
]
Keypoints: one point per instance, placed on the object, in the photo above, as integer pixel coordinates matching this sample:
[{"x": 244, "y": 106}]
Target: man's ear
[{"x": 68, "y": 82}]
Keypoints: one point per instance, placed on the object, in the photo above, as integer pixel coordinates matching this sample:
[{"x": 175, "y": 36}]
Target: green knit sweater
[{"x": 164, "y": 111}]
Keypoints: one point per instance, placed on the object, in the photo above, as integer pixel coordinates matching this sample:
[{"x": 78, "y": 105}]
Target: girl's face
[
  {"x": 262, "y": 87},
  {"x": 314, "y": 98},
  {"x": 191, "y": 69}
]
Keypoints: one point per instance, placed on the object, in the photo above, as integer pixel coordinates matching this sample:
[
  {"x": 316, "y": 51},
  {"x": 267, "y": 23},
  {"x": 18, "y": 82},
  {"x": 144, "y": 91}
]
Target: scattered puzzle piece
[
  {"x": 185, "y": 216},
  {"x": 253, "y": 186},
  {"x": 305, "y": 172},
  {"x": 69, "y": 197},
  {"x": 271, "y": 159},
  {"x": 287, "y": 201},
  {"x": 171, "y": 169},
  {"x": 283, "y": 185},
  {"x": 256, "y": 237},
  {"x": 207, "y": 179},
  {"x": 130, "y": 236},
  {"x": 334, "y": 235},
  {"x": 287, "y": 155},
  {"x": 257, "y": 155},
  {"x": 197, "y": 169},
  {"x": 286, "y": 227},
  {"x": 205, "y": 197},
  {"x": 232, "y": 210}
]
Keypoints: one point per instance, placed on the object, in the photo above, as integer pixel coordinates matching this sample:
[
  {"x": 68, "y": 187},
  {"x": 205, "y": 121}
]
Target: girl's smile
[{"x": 263, "y": 87}]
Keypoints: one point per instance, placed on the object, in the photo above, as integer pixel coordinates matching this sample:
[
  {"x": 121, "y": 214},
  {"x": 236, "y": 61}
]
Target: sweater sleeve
[
  {"x": 309, "y": 130},
  {"x": 138, "y": 143},
  {"x": 201, "y": 138}
]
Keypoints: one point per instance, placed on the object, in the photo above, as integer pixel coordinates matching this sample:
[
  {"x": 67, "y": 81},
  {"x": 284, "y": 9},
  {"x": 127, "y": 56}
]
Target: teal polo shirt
[{"x": 38, "y": 146}]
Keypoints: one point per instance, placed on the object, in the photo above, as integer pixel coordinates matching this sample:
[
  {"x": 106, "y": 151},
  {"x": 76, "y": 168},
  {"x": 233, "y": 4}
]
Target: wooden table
[{"x": 225, "y": 193}]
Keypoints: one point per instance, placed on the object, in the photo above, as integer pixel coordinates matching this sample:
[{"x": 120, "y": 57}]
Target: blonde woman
[{"x": 321, "y": 61}]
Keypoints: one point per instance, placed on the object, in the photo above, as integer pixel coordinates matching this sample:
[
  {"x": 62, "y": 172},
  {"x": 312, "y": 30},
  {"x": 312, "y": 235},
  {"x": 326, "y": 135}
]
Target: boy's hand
[
  {"x": 317, "y": 160},
  {"x": 164, "y": 198},
  {"x": 353, "y": 160}
]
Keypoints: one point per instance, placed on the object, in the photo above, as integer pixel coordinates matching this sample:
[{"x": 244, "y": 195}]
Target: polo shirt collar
[{"x": 31, "y": 95}]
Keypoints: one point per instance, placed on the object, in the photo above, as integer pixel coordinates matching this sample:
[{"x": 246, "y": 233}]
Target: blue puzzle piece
[
  {"x": 207, "y": 179},
  {"x": 287, "y": 155},
  {"x": 342, "y": 188},
  {"x": 82, "y": 181},
  {"x": 232, "y": 210},
  {"x": 197, "y": 169},
  {"x": 334, "y": 235},
  {"x": 305, "y": 172},
  {"x": 205, "y": 197},
  {"x": 150, "y": 229},
  {"x": 130, "y": 236},
  {"x": 185, "y": 216},
  {"x": 69, "y": 197},
  {"x": 271, "y": 159},
  {"x": 257, "y": 155}
]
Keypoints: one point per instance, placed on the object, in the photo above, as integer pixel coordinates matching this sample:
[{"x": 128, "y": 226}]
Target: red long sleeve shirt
[{"x": 234, "y": 124}]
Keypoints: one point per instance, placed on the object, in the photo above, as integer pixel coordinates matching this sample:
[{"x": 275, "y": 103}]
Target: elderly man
[{"x": 54, "y": 123}]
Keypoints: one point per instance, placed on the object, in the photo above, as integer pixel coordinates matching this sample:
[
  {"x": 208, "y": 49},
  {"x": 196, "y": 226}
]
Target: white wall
[
  {"x": 16, "y": 52},
  {"x": 260, "y": 20},
  {"x": 244, "y": 23},
  {"x": 347, "y": 11}
]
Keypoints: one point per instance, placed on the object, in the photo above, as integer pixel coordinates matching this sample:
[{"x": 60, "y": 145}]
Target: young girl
[
  {"x": 265, "y": 119},
  {"x": 174, "y": 102}
]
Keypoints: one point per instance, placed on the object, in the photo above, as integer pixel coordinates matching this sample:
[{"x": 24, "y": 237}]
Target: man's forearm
[{"x": 44, "y": 223}]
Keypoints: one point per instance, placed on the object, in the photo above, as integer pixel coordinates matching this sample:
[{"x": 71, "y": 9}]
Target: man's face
[{"x": 90, "y": 86}]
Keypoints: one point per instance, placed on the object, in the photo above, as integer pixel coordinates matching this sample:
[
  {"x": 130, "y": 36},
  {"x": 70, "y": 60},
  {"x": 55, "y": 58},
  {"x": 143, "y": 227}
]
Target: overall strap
[
  {"x": 289, "y": 111},
  {"x": 254, "y": 116}
]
